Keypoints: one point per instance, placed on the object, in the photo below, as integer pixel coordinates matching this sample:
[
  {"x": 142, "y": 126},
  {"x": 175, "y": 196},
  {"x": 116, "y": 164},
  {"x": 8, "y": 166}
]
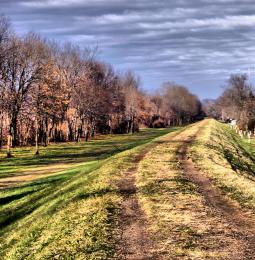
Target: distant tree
[
  {"x": 147, "y": 109},
  {"x": 179, "y": 106},
  {"x": 238, "y": 101},
  {"x": 209, "y": 108},
  {"x": 130, "y": 84}
]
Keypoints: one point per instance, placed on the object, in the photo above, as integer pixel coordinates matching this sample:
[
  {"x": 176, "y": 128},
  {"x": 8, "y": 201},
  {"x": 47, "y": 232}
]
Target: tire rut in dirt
[
  {"x": 242, "y": 226},
  {"x": 135, "y": 240}
]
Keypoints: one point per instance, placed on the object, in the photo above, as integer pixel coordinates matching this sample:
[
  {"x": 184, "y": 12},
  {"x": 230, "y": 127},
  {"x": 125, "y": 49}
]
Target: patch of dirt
[
  {"x": 241, "y": 222},
  {"x": 135, "y": 240}
]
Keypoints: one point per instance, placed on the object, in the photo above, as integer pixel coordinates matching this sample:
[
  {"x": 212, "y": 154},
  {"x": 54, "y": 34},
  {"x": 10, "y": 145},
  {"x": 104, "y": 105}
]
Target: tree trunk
[
  {"x": 70, "y": 132},
  {"x": 80, "y": 131},
  {"x": 110, "y": 126},
  {"x": 36, "y": 137},
  {"x": 93, "y": 128},
  {"x": 133, "y": 124},
  {"x": 14, "y": 131},
  {"x": 9, "y": 142},
  {"x": 1, "y": 131},
  {"x": 128, "y": 126},
  {"x": 86, "y": 134},
  {"x": 46, "y": 133},
  {"x": 93, "y": 131}
]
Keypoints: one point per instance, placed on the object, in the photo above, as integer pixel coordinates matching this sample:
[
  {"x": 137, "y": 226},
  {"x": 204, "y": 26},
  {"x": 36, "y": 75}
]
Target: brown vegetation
[
  {"x": 58, "y": 93},
  {"x": 237, "y": 102}
]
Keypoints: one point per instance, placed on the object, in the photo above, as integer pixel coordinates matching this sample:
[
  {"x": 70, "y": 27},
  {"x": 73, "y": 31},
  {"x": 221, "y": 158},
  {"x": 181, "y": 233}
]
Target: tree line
[
  {"x": 237, "y": 102},
  {"x": 62, "y": 92}
]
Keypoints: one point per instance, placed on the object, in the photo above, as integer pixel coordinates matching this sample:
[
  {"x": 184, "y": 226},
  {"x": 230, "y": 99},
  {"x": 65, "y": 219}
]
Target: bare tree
[
  {"x": 238, "y": 102},
  {"x": 5, "y": 33},
  {"x": 130, "y": 84},
  {"x": 22, "y": 68},
  {"x": 50, "y": 92}
]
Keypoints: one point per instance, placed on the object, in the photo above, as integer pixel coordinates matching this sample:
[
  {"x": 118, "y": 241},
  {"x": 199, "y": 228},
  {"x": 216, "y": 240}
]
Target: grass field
[
  {"x": 66, "y": 154},
  {"x": 72, "y": 212},
  {"x": 70, "y": 205}
]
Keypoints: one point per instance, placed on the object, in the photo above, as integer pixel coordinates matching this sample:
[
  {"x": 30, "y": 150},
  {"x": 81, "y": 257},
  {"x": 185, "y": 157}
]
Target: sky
[{"x": 196, "y": 43}]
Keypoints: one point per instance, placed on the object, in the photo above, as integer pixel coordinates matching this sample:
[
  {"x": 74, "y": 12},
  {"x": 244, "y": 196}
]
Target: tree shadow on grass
[
  {"x": 57, "y": 191},
  {"x": 46, "y": 191},
  {"x": 234, "y": 158},
  {"x": 87, "y": 152},
  {"x": 8, "y": 199},
  {"x": 11, "y": 217}
]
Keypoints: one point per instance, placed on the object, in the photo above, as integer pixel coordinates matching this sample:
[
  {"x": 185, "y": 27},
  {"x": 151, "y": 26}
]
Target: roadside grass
[
  {"x": 72, "y": 215},
  {"x": 182, "y": 224},
  {"x": 228, "y": 160}
]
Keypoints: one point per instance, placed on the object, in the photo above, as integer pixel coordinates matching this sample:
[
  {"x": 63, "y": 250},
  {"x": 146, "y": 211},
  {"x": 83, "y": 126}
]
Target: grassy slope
[
  {"x": 228, "y": 160},
  {"x": 183, "y": 225},
  {"x": 70, "y": 215}
]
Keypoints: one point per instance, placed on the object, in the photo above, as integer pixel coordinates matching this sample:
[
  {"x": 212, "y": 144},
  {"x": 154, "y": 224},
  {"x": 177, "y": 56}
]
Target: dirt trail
[
  {"x": 135, "y": 241},
  {"x": 241, "y": 224}
]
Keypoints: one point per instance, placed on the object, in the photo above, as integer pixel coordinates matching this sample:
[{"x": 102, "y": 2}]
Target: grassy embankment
[
  {"x": 72, "y": 213},
  {"x": 183, "y": 225},
  {"x": 228, "y": 160}
]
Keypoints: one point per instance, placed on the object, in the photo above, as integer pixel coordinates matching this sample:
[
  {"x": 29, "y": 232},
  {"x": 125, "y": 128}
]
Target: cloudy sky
[{"x": 197, "y": 43}]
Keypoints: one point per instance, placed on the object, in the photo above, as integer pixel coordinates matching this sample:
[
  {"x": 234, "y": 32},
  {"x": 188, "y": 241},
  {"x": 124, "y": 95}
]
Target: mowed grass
[
  {"x": 73, "y": 214},
  {"x": 228, "y": 160},
  {"x": 182, "y": 223},
  {"x": 64, "y": 155}
]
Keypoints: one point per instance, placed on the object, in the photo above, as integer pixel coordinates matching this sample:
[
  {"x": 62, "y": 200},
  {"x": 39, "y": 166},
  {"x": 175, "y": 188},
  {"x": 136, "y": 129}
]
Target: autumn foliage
[{"x": 51, "y": 92}]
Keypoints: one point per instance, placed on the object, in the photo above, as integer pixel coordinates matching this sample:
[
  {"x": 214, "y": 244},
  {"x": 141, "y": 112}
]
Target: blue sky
[{"x": 196, "y": 43}]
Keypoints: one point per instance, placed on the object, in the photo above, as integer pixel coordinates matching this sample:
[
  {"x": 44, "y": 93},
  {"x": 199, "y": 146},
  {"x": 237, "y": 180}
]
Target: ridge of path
[
  {"x": 135, "y": 240},
  {"x": 241, "y": 224}
]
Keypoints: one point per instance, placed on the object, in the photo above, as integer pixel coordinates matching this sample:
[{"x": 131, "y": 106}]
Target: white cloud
[
  {"x": 184, "y": 40},
  {"x": 227, "y": 22}
]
